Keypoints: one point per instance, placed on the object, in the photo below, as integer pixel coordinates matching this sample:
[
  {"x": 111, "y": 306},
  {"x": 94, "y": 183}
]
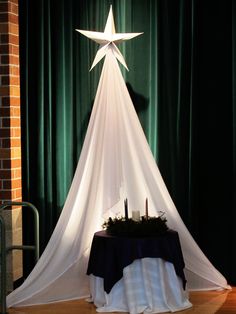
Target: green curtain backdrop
[{"x": 182, "y": 80}]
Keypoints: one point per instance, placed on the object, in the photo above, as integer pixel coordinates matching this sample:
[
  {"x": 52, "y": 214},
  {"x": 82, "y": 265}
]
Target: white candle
[
  {"x": 136, "y": 215},
  {"x": 146, "y": 208}
]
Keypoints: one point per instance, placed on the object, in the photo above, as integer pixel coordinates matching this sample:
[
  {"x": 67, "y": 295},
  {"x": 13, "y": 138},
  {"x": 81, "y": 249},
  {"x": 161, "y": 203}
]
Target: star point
[{"x": 108, "y": 39}]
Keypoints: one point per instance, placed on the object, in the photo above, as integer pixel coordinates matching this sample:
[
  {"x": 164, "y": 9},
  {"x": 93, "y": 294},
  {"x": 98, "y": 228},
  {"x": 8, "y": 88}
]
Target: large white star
[{"x": 108, "y": 40}]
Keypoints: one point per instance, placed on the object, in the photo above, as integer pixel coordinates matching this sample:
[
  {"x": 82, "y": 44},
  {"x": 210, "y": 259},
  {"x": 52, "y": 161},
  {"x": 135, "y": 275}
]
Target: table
[{"x": 137, "y": 274}]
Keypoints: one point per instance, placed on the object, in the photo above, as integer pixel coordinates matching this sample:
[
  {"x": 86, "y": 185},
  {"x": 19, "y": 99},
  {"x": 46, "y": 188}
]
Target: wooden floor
[{"x": 222, "y": 302}]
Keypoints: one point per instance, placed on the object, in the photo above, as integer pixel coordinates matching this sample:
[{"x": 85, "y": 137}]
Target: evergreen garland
[{"x": 151, "y": 226}]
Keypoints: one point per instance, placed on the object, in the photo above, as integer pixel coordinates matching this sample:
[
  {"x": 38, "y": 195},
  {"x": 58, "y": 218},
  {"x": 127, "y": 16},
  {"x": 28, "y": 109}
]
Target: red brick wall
[{"x": 10, "y": 123}]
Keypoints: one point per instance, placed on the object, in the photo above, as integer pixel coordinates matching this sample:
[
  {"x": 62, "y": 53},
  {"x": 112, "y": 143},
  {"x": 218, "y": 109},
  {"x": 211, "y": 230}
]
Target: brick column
[{"x": 10, "y": 132}]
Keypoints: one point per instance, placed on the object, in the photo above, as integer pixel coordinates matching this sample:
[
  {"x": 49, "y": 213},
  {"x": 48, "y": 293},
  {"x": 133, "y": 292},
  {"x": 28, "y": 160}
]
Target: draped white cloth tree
[{"x": 116, "y": 162}]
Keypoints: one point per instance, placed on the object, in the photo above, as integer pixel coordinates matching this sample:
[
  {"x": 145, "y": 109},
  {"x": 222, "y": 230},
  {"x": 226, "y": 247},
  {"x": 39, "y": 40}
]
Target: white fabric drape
[
  {"x": 115, "y": 162},
  {"x": 148, "y": 285}
]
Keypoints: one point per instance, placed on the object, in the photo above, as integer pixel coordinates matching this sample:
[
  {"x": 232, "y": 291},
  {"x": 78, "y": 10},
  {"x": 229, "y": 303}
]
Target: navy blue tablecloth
[{"x": 111, "y": 254}]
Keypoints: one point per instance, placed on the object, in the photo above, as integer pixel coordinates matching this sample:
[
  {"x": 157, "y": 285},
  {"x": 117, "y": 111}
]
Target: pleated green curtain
[
  {"x": 182, "y": 81},
  {"x": 196, "y": 145}
]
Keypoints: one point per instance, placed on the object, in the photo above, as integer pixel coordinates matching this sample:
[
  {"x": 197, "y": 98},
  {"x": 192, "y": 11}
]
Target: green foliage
[{"x": 152, "y": 226}]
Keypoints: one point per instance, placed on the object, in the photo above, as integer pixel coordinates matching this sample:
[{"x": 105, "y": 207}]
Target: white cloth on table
[{"x": 148, "y": 285}]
